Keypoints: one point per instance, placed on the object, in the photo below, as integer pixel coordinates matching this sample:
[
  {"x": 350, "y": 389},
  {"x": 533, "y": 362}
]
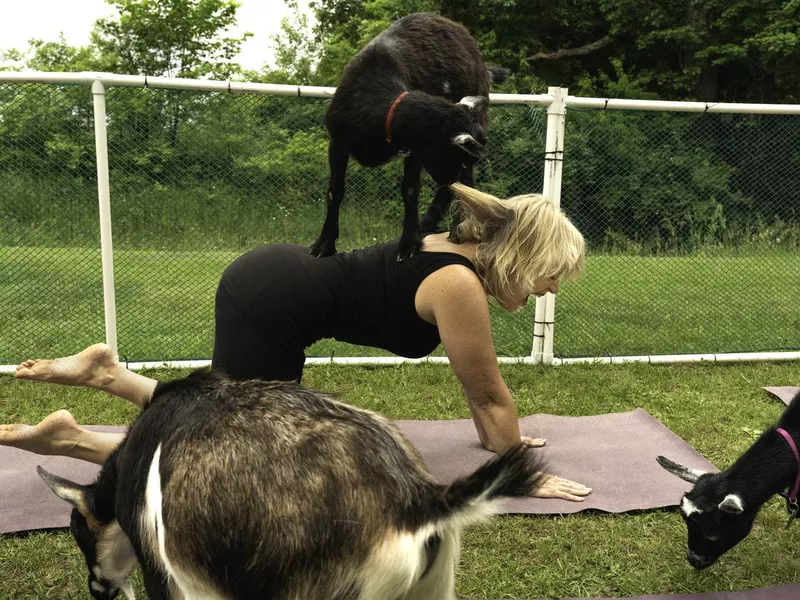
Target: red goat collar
[{"x": 390, "y": 115}]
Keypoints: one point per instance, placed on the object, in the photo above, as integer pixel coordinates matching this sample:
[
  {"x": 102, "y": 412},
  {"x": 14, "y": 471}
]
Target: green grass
[
  {"x": 718, "y": 409},
  {"x": 721, "y": 302}
]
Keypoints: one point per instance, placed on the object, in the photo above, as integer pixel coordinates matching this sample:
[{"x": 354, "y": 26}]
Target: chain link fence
[
  {"x": 693, "y": 224},
  {"x": 692, "y": 220}
]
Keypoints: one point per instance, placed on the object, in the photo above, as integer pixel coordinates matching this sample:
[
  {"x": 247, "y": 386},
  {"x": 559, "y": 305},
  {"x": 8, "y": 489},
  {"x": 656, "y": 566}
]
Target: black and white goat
[
  {"x": 420, "y": 87},
  {"x": 229, "y": 489},
  {"x": 720, "y": 509}
]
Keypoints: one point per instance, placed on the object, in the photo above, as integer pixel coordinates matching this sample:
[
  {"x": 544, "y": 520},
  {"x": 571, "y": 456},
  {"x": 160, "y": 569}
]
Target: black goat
[
  {"x": 421, "y": 88},
  {"x": 720, "y": 509},
  {"x": 229, "y": 489}
]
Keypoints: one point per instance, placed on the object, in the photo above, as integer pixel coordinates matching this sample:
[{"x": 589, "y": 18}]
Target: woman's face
[{"x": 519, "y": 297}]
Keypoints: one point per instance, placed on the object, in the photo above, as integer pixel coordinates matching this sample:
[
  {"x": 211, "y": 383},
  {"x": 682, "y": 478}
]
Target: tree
[{"x": 173, "y": 38}]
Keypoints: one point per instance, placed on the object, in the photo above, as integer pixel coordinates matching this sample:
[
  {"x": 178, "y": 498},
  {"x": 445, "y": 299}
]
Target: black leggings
[{"x": 242, "y": 352}]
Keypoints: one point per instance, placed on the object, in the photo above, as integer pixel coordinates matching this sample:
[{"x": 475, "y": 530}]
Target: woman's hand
[
  {"x": 558, "y": 487},
  {"x": 533, "y": 442}
]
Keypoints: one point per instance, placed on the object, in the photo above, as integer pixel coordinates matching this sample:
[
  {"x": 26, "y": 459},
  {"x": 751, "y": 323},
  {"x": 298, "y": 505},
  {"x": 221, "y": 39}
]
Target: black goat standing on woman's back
[{"x": 421, "y": 87}]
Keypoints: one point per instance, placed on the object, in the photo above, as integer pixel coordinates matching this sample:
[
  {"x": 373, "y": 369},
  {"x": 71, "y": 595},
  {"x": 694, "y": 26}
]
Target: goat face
[
  {"x": 109, "y": 556},
  {"x": 462, "y": 141},
  {"x": 716, "y": 519}
]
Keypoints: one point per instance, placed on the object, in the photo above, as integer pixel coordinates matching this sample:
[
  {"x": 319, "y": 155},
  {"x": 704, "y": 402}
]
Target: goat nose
[{"x": 697, "y": 561}]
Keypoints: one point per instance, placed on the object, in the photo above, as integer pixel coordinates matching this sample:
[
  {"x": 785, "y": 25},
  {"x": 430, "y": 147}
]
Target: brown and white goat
[
  {"x": 720, "y": 509},
  {"x": 230, "y": 489},
  {"x": 421, "y": 88}
]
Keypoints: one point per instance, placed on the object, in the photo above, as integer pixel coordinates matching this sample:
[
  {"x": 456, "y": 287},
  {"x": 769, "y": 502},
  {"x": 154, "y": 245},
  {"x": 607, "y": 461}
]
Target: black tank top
[{"x": 361, "y": 297}]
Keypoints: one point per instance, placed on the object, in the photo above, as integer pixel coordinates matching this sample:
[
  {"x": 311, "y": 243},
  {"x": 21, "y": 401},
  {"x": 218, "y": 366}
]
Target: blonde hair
[{"x": 518, "y": 240}]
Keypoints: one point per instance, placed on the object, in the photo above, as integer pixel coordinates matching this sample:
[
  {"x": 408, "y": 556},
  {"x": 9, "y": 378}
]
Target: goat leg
[
  {"x": 466, "y": 177},
  {"x": 337, "y": 160},
  {"x": 436, "y": 210},
  {"x": 411, "y": 239}
]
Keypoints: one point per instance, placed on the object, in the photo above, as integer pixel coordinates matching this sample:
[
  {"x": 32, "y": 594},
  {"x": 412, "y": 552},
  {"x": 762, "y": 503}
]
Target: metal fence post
[
  {"x": 104, "y": 198},
  {"x": 554, "y": 157}
]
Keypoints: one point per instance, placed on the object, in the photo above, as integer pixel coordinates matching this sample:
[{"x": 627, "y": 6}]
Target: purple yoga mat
[
  {"x": 26, "y": 503},
  {"x": 784, "y": 393},
  {"x": 780, "y": 592},
  {"x": 615, "y": 454}
]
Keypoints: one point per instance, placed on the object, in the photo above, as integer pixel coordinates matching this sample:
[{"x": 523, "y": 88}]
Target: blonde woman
[{"x": 275, "y": 301}]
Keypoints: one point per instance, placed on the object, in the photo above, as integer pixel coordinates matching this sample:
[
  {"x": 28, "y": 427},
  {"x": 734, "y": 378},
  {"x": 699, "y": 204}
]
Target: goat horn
[{"x": 685, "y": 473}]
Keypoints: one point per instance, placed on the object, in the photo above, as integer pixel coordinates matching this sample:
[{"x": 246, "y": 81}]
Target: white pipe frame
[
  {"x": 390, "y": 361},
  {"x": 554, "y": 161},
  {"x": 104, "y": 200},
  {"x": 556, "y": 101}
]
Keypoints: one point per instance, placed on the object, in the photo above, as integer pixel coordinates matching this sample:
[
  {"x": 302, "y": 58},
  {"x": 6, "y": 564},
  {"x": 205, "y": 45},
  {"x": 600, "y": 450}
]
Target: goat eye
[{"x": 711, "y": 538}]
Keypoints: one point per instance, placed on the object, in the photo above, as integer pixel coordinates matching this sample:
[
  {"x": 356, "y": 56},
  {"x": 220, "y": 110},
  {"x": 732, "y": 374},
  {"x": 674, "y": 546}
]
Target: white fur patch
[
  {"x": 446, "y": 87},
  {"x": 732, "y": 504},
  {"x": 187, "y": 585},
  {"x": 395, "y": 567},
  {"x": 468, "y": 101},
  {"x": 462, "y": 138},
  {"x": 689, "y": 508}
]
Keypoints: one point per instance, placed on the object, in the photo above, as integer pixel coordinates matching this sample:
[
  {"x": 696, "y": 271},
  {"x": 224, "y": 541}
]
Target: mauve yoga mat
[
  {"x": 781, "y": 592},
  {"x": 784, "y": 393},
  {"x": 615, "y": 454},
  {"x": 26, "y": 503}
]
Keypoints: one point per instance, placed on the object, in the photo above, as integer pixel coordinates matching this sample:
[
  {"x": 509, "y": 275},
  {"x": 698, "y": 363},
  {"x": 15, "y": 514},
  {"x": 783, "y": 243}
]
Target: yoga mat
[
  {"x": 784, "y": 393},
  {"x": 26, "y": 503},
  {"x": 781, "y": 592},
  {"x": 615, "y": 454}
]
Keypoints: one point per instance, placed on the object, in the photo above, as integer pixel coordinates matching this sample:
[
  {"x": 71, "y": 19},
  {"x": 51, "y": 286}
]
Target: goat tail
[
  {"x": 497, "y": 74},
  {"x": 475, "y": 497}
]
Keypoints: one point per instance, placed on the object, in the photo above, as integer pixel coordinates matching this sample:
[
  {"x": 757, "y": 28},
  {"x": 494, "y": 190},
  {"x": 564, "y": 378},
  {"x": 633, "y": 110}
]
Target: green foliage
[
  {"x": 712, "y": 50},
  {"x": 174, "y": 38}
]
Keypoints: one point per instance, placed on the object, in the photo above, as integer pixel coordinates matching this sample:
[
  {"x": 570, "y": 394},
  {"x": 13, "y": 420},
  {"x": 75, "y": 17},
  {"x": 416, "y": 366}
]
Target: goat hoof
[
  {"x": 323, "y": 248},
  {"x": 405, "y": 251}
]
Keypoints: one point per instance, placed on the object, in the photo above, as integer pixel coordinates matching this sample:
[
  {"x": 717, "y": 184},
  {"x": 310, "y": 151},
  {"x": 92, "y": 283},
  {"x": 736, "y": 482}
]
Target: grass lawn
[
  {"x": 52, "y": 305},
  {"x": 718, "y": 409}
]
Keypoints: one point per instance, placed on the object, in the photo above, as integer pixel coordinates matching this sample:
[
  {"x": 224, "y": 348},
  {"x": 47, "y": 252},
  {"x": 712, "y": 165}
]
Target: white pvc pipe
[
  {"x": 732, "y": 357},
  {"x": 673, "y": 106},
  {"x": 554, "y": 162},
  {"x": 110, "y": 79},
  {"x": 736, "y": 357},
  {"x": 208, "y": 85},
  {"x": 104, "y": 199},
  {"x": 538, "y": 330}
]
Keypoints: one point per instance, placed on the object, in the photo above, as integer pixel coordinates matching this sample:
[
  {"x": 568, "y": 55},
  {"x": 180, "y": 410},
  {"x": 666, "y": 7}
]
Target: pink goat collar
[{"x": 791, "y": 500}]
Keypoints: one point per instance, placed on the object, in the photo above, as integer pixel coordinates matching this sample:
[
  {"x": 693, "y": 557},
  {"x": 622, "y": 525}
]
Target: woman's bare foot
[
  {"x": 94, "y": 367},
  {"x": 58, "y": 434}
]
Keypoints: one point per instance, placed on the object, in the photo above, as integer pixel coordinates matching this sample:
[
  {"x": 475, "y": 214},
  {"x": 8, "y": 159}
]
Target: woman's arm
[{"x": 453, "y": 299}]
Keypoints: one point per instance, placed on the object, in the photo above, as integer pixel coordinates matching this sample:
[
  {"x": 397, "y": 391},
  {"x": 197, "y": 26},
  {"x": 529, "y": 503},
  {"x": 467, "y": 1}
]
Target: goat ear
[
  {"x": 685, "y": 473},
  {"x": 474, "y": 103},
  {"x": 65, "y": 489},
  {"x": 732, "y": 504},
  {"x": 470, "y": 145}
]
